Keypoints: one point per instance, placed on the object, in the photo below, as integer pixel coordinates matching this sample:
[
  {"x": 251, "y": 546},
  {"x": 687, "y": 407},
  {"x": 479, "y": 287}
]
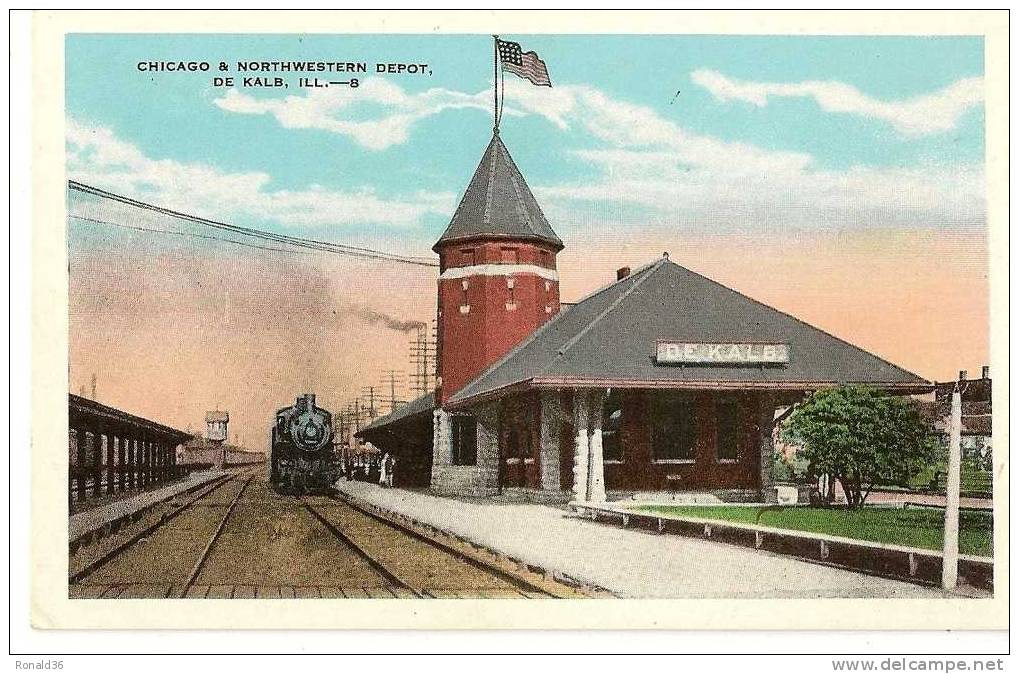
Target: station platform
[
  {"x": 629, "y": 563},
  {"x": 96, "y": 518}
]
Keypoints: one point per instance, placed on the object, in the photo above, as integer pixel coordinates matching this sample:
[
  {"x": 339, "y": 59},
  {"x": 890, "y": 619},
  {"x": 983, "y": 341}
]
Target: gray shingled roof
[
  {"x": 610, "y": 336},
  {"x": 425, "y": 403},
  {"x": 498, "y": 203}
]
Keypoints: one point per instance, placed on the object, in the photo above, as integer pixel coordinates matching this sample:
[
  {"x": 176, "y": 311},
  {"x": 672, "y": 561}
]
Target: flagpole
[{"x": 495, "y": 84}]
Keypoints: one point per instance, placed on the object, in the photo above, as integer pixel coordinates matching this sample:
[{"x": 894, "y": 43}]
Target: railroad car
[{"x": 302, "y": 459}]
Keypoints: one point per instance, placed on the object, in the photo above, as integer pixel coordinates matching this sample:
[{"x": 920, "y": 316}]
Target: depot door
[
  {"x": 512, "y": 461},
  {"x": 518, "y": 460}
]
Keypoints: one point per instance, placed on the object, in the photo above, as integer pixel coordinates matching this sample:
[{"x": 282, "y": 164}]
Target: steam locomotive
[{"x": 302, "y": 459}]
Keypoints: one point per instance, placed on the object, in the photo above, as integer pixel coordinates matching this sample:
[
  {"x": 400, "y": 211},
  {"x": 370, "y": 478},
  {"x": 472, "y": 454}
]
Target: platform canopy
[
  {"x": 713, "y": 337},
  {"x": 498, "y": 204},
  {"x": 423, "y": 405},
  {"x": 89, "y": 413}
]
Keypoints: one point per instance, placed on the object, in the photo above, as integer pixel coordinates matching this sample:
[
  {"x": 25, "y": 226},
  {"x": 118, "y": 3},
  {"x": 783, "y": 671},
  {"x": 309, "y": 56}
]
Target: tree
[{"x": 858, "y": 435}]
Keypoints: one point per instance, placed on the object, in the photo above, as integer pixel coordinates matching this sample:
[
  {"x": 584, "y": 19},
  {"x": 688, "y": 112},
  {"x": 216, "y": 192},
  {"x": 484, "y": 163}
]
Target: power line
[
  {"x": 300, "y": 242},
  {"x": 247, "y": 231},
  {"x": 188, "y": 234}
]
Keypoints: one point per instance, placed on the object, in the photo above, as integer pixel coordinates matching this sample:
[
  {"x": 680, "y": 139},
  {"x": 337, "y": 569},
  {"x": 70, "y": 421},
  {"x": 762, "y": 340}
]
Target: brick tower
[{"x": 498, "y": 281}]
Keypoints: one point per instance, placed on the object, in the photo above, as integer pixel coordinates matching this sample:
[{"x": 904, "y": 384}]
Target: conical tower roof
[{"x": 498, "y": 204}]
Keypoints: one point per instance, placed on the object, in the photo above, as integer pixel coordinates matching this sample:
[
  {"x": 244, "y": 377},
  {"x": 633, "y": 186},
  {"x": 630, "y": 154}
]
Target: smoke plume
[{"x": 391, "y": 322}]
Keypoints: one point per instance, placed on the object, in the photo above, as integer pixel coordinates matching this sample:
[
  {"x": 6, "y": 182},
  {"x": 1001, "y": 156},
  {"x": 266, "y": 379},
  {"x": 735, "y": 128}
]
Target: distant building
[
  {"x": 216, "y": 453},
  {"x": 216, "y": 425}
]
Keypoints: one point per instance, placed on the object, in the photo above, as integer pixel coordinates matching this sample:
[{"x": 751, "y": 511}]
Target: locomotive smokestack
[{"x": 306, "y": 401}]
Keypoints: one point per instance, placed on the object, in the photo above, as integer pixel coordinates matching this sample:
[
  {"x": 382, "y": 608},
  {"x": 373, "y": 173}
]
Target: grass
[{"x": 915, "y": 527}]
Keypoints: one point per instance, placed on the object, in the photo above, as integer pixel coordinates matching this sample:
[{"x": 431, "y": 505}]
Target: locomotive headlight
[{"x": 311, "y": 431}]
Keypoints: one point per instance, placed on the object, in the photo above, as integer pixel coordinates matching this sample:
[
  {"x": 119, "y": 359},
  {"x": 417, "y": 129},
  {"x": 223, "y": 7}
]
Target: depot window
[
  {"x": 729, "y": 416},
  {"x": 464, "y": 432},
  {"x": 467, "y": 257},
  {"x": 673, "y": 432},
  {"x": 510, "y": 256},
  {"x": 612, "y": 426}
]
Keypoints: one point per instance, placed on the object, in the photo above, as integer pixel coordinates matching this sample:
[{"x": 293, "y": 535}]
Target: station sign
[{"x": 720, "y": 353}]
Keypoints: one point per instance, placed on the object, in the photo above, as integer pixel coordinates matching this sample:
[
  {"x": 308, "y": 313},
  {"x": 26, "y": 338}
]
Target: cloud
[
  {"x": 639, "y": 130},
  {"x": 641, "y": 170},
  {"x": 376, "y": 115},
  {"x": 97, "y": 156},
  {"x": 937, "y": 112},
  {"x": 651, "y": 172}
]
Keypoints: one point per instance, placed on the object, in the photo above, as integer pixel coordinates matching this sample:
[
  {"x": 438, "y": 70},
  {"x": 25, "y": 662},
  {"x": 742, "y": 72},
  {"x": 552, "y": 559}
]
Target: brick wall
[{"x": 480, "y": 317}]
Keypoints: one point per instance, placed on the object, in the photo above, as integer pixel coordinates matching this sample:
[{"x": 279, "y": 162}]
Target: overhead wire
[
  {"x": 264, "y": 235},
  {"x": 153, "y": 230}
]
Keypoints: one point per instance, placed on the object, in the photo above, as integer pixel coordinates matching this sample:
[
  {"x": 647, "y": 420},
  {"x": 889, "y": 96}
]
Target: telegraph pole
[
  {"x": 950, "y": 553},
  {"x": 422, "y": 353},
  {"x": 392, "y": 378},
  {"x": 368, "y": 393}
]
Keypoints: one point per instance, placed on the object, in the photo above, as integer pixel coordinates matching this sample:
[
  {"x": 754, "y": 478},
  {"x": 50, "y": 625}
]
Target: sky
[{"x": 840, "y": 179}]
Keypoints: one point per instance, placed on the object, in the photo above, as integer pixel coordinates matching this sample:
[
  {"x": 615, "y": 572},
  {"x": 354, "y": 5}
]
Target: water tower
[{"x": 215, "y": 426}]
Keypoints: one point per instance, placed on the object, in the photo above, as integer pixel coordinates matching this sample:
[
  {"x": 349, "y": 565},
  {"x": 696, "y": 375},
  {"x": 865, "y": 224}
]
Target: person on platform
[
  {"x": 383, "y": 475},
  {"x": 389, "y": 463}
]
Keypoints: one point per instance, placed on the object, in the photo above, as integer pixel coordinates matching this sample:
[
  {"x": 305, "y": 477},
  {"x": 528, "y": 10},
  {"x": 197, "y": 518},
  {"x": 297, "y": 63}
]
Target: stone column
[
  {"x": 596, "y": 465},
  {"x": 551, "y": 417},
  {"x": 486, "y": 480},
  {"x": 441, "y": 448},
  {"x": 766, "y": 422},
  {"x": 581, "y": 447}
]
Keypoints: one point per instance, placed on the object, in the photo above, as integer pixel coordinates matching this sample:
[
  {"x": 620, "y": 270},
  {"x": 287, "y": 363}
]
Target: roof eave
[
  {"x": 460, "y": 240},
  {"x": 905, "y": 388},
  {"x": 515, "y": 387},
  {"x": 584, "y": 382}
]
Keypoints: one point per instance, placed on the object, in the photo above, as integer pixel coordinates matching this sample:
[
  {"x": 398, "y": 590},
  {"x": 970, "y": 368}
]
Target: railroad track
[
  {"x": 364, "y": 554},
  {"x": 86, "y": 560},
  {"x": 239, "y": 539},
  {"x": 531, "y": 581},
  {"x": 197, "y": 569},
  {"x": 510, "y": 576}
]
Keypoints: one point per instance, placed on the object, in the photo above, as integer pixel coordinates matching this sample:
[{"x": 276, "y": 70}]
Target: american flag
[{"x": 523, "y": 64}]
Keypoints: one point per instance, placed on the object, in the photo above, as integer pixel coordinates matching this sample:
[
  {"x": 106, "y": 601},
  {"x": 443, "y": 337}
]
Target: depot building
[{"x": 661, "y": 381}]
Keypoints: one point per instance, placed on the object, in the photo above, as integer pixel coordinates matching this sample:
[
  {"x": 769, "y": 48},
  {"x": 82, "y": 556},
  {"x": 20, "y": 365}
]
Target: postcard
[{"x": 462, "y": 320}]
